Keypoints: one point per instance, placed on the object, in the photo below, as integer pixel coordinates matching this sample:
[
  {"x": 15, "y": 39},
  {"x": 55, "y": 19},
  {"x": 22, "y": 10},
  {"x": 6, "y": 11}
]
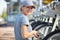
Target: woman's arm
[{"x": 25, "y": 33}]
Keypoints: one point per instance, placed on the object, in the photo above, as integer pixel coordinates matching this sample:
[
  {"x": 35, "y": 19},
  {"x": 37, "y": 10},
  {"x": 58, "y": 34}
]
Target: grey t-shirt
[{"x": 21, "y": 19}]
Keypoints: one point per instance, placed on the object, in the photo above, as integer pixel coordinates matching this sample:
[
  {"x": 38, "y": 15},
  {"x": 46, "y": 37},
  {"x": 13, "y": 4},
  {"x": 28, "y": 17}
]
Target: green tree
[{"x": 4, "y": 13}]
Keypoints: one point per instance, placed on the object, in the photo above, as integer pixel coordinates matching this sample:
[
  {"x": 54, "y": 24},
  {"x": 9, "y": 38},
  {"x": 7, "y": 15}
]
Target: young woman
[{"x": 22, "y": 28}]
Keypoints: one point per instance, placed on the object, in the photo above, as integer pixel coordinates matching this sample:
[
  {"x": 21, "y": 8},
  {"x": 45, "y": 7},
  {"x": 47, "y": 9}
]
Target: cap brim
[
  {"x": 30, "y": 6},
  {"x": 33, "y": 6}
]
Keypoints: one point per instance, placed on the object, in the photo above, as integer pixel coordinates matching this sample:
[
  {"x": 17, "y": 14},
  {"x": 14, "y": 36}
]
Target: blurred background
[{"x": 46, "y": 11}]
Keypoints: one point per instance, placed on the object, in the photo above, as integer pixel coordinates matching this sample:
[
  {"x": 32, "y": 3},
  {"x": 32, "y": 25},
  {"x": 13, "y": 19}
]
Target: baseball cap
[{"x": 28, "y": 3}]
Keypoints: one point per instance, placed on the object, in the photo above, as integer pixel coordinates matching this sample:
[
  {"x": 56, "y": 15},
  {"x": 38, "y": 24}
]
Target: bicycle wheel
[
  {"x": 41, "y": 31},
  {"x": 55, "y": 35},
  {"x": 36, "y": 23}
]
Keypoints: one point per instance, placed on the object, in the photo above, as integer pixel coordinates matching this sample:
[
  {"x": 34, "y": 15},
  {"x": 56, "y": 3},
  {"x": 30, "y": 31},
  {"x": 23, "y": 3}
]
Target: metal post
[
  {"x": 46, "y": 31},
  {"x": 55, "y": 23}
]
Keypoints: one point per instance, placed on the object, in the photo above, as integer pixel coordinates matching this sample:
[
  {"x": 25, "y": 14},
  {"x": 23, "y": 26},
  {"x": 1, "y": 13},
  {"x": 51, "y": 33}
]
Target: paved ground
[{"x": 7, "y": 33}]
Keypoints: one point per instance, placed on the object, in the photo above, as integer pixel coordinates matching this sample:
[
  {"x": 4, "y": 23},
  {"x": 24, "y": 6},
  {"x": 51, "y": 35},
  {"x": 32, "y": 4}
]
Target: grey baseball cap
[{"x": 28, "y": 3}]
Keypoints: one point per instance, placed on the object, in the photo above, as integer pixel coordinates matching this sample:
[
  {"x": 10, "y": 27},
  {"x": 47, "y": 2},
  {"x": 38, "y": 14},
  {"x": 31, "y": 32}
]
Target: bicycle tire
[{"x": 51, "y": 34}]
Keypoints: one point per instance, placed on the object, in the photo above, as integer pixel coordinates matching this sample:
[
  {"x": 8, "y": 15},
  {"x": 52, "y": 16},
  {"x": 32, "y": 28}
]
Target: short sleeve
[{"x": 25, "y": 21}]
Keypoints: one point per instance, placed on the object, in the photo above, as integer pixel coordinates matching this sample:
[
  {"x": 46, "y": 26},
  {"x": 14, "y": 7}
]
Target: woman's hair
[{"x": 21, "y": 7}]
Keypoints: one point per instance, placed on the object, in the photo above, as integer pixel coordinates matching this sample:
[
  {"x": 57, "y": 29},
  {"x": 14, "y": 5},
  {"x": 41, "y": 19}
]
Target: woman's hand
[{"x": 35, "y": 33}]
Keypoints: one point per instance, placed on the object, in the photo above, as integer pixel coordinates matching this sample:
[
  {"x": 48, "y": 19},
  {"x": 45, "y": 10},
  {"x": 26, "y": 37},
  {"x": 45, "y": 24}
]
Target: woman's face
[{"x": 27, "y": 10}]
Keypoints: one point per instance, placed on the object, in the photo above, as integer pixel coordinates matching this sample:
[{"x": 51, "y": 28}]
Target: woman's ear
[{"x": 22, "y": 8}]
